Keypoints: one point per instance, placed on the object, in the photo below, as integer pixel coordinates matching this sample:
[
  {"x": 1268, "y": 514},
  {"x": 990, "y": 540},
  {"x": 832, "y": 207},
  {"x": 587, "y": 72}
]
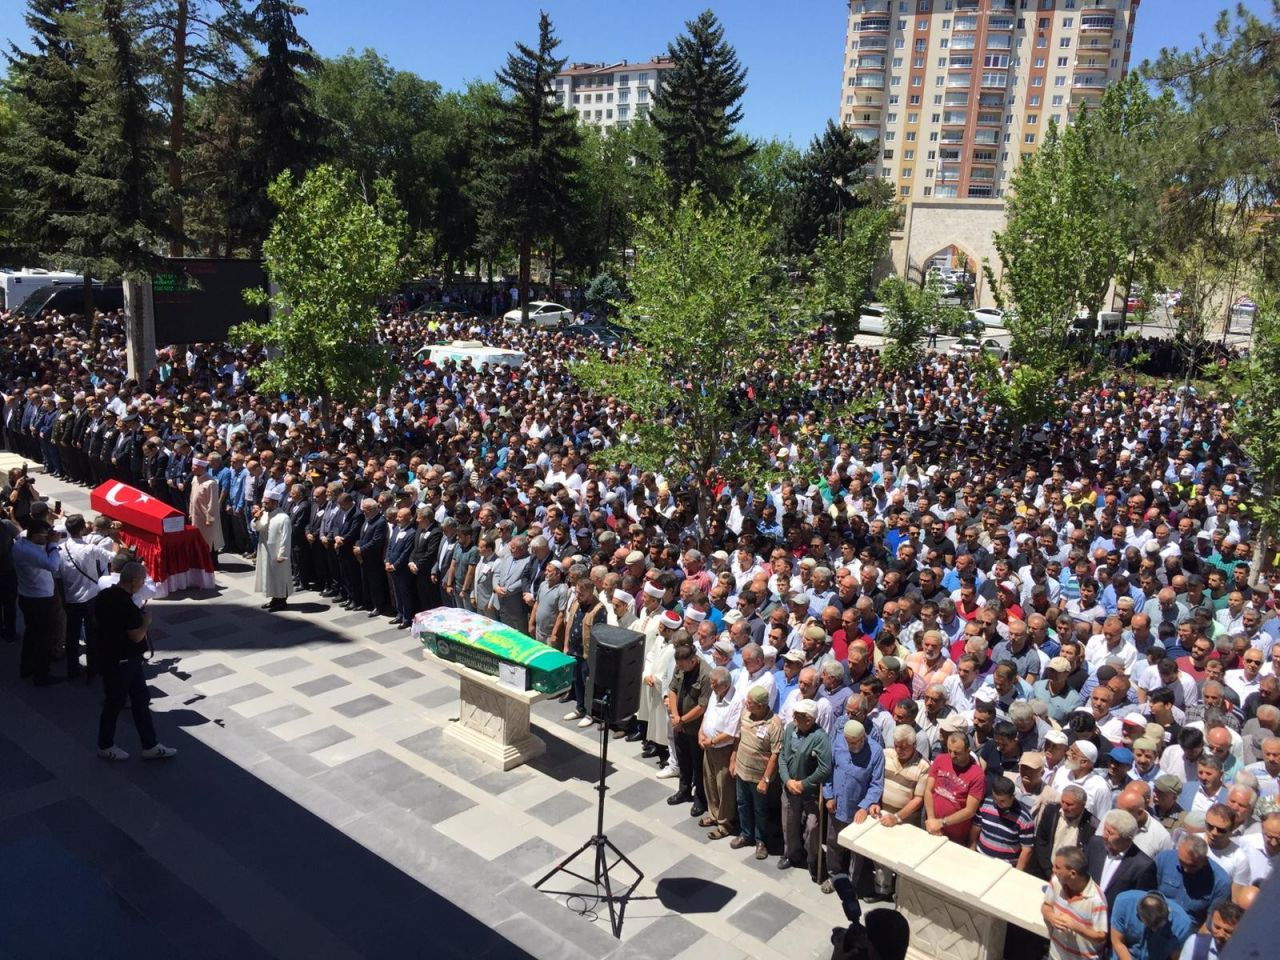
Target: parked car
[
  {"x": 972, "y": 345},
  {"x": 606, "y": 333},
  {"x": 871, "y": 320},
  {"x": 990, "y": 316},
  {"x": 1136, "y": 303},
  {"x": 542, "y": 313}
]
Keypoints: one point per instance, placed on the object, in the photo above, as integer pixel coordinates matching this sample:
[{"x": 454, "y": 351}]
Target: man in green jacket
[{"x": 803, "y": 766}]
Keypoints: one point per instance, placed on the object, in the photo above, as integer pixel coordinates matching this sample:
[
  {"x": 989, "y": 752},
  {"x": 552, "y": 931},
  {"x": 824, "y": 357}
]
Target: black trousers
[
  {"x": 9, "y": 605},
  {"x": 375, "y": 582},
  {"x": 319, "y": 570},
  {"x": 351, "y": 576},
  {"x": 40, "y": 616},
  {"x": 689, "y": 756},
  {"x": 406, "y": 599},
  {"x": 81, "y": 616},
  {"x": 334, "y": 568},
  {"x": 126, "y": 678}
]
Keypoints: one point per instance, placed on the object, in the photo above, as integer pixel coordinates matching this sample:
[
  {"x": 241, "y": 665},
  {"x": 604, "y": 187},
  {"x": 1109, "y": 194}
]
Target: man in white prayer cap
[{"x": 273, "y": 578}]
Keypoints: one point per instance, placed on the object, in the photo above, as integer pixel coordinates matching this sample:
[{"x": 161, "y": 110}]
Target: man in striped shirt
[
  {"x": 1074, "y": 909},
  {"x": 1003, "y": 829}
]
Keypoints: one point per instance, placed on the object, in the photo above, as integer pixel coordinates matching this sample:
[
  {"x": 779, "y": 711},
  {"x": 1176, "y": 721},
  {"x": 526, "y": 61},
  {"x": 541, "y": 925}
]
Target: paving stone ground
[{"x": 315, "y": 810}]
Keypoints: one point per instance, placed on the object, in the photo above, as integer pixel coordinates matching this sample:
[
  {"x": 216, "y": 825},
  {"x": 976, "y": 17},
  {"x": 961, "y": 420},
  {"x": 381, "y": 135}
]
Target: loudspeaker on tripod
[{"x": 614, "y": 666}]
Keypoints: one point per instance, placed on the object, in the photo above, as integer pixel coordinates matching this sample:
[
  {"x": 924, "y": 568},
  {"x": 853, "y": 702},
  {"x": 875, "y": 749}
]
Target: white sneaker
[
  {"x": 666, "y": 773},
  {"x": 586, "y": 722},
  {"x": 113, "y": 753},
  {"x": 573, "y": 715},
  {"x": 159, "y": 752}
]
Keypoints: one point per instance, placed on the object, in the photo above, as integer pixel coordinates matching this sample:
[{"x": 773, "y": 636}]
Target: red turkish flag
[{"x": 133, "y": 508}]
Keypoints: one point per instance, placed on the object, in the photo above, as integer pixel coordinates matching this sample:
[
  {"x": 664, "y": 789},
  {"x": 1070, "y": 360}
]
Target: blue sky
[{"x": 792, "y": 50}]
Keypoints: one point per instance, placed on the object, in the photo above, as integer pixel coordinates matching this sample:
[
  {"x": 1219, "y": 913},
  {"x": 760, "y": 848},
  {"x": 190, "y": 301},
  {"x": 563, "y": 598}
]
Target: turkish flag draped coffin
[
  {"x": 133, "y": 508},
  {"x": 173, "y": 551}
]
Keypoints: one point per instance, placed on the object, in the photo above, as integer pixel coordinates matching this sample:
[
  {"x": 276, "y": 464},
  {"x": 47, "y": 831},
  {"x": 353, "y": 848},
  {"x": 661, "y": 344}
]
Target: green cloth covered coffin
[{"x": 473, "y": 640}]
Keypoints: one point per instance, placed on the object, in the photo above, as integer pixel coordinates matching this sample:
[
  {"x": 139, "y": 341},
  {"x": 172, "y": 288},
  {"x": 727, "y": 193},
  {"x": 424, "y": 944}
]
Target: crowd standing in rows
[{"x": 1051, "y": 646}]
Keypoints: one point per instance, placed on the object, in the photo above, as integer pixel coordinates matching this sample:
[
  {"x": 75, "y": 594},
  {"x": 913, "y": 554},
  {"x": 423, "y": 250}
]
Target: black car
[
  {"x": 66, "y": 300},
  {"x": 606, "y": 332}
]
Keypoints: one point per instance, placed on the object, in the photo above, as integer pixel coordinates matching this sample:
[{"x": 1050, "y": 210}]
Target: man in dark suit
[
  {"x": 299, "y": 516},
  {"x": 1065, "y": 823},
  {"x": 351, "y": 521},
  {"x": 315, "y": 549},
  {"x": 1115, "y": 862},
  {"x": 371, "y": 551},
  {"x": 423, "y": 556},
  {"x": 399, "y": 550}
]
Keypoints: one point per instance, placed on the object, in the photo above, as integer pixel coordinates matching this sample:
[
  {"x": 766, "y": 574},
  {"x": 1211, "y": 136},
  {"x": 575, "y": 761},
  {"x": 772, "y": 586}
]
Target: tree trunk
[
  {"x": 551, "y": 295},
  {"x": 526, "y": 257},
  {"x": 177, "y": 127},
  {"x": 89, "y": 313}
]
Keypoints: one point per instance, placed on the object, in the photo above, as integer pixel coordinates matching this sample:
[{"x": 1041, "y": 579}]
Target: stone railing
[{"x": 958, "y": 902}]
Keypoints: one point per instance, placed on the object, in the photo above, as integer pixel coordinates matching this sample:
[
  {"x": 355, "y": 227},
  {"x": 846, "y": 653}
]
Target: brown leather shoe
[{"x": 738, "y": 842}]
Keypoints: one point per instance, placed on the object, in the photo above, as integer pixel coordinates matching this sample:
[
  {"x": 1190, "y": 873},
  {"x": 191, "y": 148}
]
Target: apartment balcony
[
  {"x": 961, "y": 24},
  {"x": 963, "y": 5},
  {"x": 995, "y": 81},
  {"x": 1004, "y": 6},
  {"x": 964, "y": 80},
  {"x": 1096, "y": 24},
  {"x": 864, "y": 131},
  {"x": 986, "y": 138},
  {"x": 872, "y": 26},
  {"x": 1000, "y": 24},
  {"x": 869, "y": 81},
  {"x": 871, "y": 43},
  {"x": 874, "y": 6},
  {"x": 866, "y": 64},
  {"x": 956, "y": 101},
  {"x": 951, "y": 138},
  {"x": 999, "y": 41}
]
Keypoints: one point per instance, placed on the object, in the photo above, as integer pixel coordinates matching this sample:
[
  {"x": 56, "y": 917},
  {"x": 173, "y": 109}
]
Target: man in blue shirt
[
  {"x": 1186, "y": 876},
  {"x": 856, "y": 785},
  {"x": 1146, "y": 926}
]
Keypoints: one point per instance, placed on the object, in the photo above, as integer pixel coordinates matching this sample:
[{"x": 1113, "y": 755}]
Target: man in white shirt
[
  {"x": 716, "y": 737},
  {"x": 1219, "y": 822},
  {"x": 754, "y": 673},
  {"x": 1263, "y": 849},
  {"x": 1247, "y": 678},
  {"x": 84, "y": 562},
  {"x": 1078, "y": 771},
  {"x": 1110, "y": 643}
]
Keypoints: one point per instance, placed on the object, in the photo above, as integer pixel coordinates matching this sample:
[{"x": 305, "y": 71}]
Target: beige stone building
[
  {"x": 609, "y": 95},
  {"x": 958, "y": 91}
]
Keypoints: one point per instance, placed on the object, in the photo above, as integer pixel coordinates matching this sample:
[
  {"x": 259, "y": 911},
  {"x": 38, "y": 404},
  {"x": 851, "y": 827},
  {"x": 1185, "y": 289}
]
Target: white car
[
  {"x": 542, "y": 313},
  {"x": 871, "y": 320},
  {"x": 967, "y": 346},
  {"x": 990, "y": 316}
]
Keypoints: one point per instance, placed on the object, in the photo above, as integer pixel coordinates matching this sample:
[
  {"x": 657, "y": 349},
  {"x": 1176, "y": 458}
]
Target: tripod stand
[{"x": 603, "y": 848}]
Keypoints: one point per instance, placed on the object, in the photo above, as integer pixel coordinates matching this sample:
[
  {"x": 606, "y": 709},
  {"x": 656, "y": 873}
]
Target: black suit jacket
[
  {"x": 373, "y": 540},
  {"x": 1137, "y": 871},
  {"x": 426, "y": 547},
  {"x": 299, "y": 518},
  {"x": 1042, "y": 854},
  {"x": 399, "y": 546}
]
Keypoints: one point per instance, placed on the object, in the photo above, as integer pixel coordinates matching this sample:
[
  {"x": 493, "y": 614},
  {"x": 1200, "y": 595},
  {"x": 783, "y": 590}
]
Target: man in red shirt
[
  {"x": 953, "y": 791},
  {"x": 1198, "y": 662},
  {"x": 890, "y": 672}
]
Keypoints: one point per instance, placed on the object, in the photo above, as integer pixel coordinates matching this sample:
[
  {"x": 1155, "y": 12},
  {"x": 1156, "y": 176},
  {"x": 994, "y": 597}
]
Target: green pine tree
[
  {"x": 826, "y": 184},
  {"x": 284, "y": 128},
  {"x": 528, "y": 191},
  {"x": 115, "y": 182},
  {"x": 697, "y": 109},
  {"x": 41, "y": 152}
]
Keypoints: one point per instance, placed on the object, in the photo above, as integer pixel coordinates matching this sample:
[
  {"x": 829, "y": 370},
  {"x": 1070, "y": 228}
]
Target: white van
[
  {"x": 17, "y": 285},
  {"x": 473, "y": 350},
  {"x": 871, "y": 320},
  {"x": 1110, "y": 323}
]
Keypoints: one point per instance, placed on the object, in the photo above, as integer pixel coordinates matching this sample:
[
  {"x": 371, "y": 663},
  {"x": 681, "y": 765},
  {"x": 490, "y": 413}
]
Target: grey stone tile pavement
[{"x": 299, "y": 819}]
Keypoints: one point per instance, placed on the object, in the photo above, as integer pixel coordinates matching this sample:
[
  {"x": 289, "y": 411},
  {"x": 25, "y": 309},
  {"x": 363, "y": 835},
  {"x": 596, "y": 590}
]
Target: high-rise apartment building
[
  {"x": 610, "y": 94},
  {"x": 958, "y": 91}
]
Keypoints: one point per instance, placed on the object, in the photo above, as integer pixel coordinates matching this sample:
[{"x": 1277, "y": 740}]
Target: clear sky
[{"x": 792, "y": 50}]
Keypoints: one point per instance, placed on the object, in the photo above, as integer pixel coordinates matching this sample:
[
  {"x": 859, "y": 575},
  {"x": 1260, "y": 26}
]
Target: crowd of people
[{"x": 1053, "y": 647}]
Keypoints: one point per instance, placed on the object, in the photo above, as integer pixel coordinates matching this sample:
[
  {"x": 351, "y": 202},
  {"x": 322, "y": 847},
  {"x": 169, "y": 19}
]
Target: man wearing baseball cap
[{"x": 1054, "y": 690}]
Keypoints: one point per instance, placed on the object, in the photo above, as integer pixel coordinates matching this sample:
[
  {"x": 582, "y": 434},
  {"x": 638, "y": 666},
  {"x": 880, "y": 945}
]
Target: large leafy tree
[
  {"x": 284, "y": 129},
  {"x": 528, "y": 188},
  {"x": 911, "y": 313},
  {"x": 331, "y": 255},
  {"x": 696, "y": 111},
  {"x": 844, "y": 264},
  {"x": 707, "y": 319},
  {"x": 827, "y": 182},
  {"x": 40, "y": 153},
  {"x": 380, "y": 124}
]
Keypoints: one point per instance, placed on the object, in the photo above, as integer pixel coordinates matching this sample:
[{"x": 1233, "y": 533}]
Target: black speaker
[{"x": 613, "y": 673}]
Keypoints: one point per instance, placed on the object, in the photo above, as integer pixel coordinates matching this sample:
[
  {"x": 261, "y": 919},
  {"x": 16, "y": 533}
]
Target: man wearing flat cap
[
  {"x": 804, "y": 764},
  {"x": 273, "y": 576}
]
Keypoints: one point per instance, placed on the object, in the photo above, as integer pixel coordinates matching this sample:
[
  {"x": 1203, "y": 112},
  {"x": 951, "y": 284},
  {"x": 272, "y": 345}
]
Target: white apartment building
[{"x": 609, "y": 95}]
